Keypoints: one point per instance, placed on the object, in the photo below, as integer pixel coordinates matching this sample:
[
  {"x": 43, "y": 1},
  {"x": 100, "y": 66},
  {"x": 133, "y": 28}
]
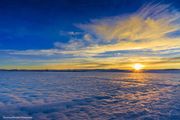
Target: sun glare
[{"x": 138, "y": 66}]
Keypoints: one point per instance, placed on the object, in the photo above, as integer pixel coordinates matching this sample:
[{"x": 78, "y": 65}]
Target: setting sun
[{"x": 138, "y": 66}]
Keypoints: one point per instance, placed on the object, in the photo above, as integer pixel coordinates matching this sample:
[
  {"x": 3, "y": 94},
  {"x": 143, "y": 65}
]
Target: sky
[{"x": 89, "y": 34}]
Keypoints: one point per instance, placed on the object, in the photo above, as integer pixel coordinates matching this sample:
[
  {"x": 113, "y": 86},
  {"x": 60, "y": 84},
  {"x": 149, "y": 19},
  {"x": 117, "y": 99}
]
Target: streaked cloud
[
  {"x": 149, "y": 36},
  {"x": 146, "y": 28}
]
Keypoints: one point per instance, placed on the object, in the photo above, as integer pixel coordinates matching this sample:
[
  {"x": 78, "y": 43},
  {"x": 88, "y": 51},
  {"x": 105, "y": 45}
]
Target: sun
[{"x": 138, "y": 66}]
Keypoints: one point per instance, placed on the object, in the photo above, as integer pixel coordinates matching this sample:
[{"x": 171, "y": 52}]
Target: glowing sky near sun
[{"x": 81, "y": 35}]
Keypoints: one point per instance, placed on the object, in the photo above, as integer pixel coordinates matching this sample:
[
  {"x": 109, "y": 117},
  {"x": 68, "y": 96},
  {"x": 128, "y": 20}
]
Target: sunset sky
[{"x": 89, "y": 34}]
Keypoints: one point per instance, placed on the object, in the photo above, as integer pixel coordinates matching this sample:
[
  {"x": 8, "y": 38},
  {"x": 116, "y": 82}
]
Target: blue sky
[{"x": 43, "y": 34}]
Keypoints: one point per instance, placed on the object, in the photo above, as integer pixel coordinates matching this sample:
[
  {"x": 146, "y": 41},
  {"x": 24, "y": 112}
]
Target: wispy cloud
[
  {"x": 146, "y": 28},
  {"x": 69, "y": 33},
  {"x": 150, "y": 35}
]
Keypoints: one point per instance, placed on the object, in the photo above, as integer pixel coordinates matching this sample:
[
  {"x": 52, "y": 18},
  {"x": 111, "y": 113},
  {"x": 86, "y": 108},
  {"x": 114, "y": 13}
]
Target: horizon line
[{"x": 128, "y": 70}]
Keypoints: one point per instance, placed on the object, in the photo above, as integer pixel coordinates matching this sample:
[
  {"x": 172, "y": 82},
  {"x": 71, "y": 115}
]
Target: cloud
[
  {"x": 87, "y": 37},
  {"x": 45, "y": 52},
  {"x": 146, "y": 28},
  {"x": 150, "y": 36},
  {"x": 69, "y": 33},
  {"x": 76, "y": 44},
  {"x": 71, "y": 45},
  {"x": 139, "y": 37}
]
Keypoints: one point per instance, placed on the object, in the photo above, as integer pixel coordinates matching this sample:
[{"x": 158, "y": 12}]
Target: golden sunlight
[{"x": 138, "y": 66}]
